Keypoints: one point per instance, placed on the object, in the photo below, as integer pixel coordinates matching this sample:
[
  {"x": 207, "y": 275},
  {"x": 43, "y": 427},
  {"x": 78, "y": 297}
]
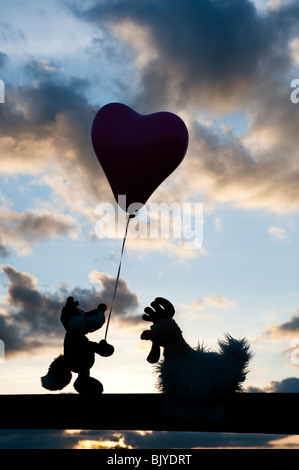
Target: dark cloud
[
  {"x": 21, "y": 230},
  {"x": 288, "y": 328},
  {"x": 33, "y": 317},
  {"x": 289, "y": 385},
  {"x": 32, "y": 108},
  {"x": 291, "y": 326},
  {"x": 124, "y": 300},
  {"x": 211, "y": 48}
]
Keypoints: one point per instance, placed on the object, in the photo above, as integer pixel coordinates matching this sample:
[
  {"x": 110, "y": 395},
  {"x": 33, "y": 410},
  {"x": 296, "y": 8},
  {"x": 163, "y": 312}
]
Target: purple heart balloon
[{"x": 137, "y": 152}]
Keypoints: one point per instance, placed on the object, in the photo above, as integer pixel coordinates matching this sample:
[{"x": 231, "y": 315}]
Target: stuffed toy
[
  {"x": 79, "y": 352},
  {"x": 196, "y": 381}
]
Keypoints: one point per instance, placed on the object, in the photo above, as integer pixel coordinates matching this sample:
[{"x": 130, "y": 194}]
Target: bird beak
[{"x": 154, "y": 354}]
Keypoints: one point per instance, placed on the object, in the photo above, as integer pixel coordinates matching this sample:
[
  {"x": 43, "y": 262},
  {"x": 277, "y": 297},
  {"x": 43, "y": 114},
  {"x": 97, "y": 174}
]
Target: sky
[{"x": 225, "y": 67}]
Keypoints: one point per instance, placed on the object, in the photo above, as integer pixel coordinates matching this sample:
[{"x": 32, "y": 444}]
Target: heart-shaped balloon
[{"x": 137, "y": 152}]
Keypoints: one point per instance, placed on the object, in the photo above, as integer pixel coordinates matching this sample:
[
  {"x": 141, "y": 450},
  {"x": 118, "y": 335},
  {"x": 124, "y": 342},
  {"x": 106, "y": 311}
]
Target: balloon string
[{"x": 118, "y": 273}]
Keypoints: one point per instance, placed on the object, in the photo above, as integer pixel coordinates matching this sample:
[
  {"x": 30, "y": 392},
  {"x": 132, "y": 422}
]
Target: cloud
[
  {"x": 295, "y": 50},
  {"x": 277, "y": 233},
  {"x": 227, "y": 170},
  {"x": 175, "y": 250},
  {"x": 219, "y": 301},
  {"x": 21, "y": 230},
  {"x": 289, "y": 385},
  {"x": 196, "y": 305},
  {"x": 286, "y": 329},
  {"x": 215, "y": 300},
  {"x": 218, "y": 224},
  {"x": 199, "y": 55},
  {"x": 32, "y": 319},
  {"x": 277, "y": 4},
  {"x": 32, "y": 316},
  {"x": 125, "y": 300}
]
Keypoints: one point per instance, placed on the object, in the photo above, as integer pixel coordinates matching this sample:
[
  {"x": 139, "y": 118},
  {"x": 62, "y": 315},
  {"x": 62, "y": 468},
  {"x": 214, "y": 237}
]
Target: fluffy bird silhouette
[{"x": 196, "y": 380}]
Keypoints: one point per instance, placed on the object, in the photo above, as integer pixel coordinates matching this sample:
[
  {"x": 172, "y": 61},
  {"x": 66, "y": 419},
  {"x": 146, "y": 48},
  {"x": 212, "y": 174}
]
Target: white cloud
[
  {"x": 277, "y": 4},
  {"x": 218, "y": 224},
  {"x": 136, "y": 37},
  {"x": 215, "y": 300},
  {"x": 219, "y": 301},
  {"x": 277, "y": 233}
]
